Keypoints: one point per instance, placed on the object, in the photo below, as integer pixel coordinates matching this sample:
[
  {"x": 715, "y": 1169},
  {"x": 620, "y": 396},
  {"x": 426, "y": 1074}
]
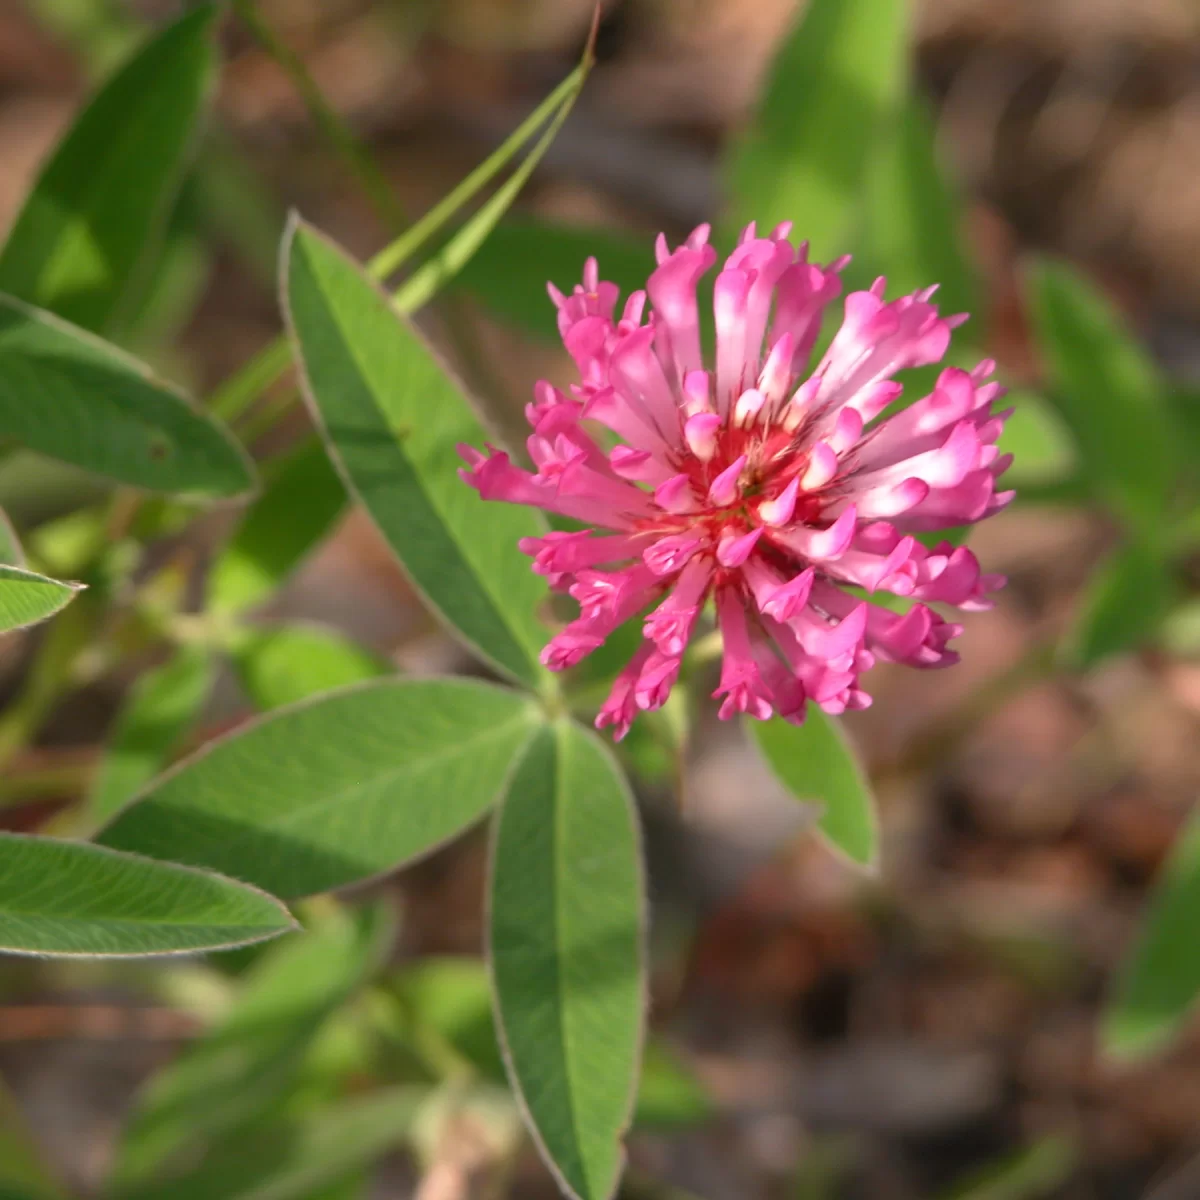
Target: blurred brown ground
[{"x": 944, "y": 1012}]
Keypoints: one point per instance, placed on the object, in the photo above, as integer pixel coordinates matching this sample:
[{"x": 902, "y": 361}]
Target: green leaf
[
  {"x": 669, "y": 1096},
  {"x": 294, "y": 1159},
  {"x": 565, "y": 939},
  {"x": 157, "y": 714},
  {"x": 27, "y": 598},
  {"x": 832, "y": 91},
  {"x": 233, "y": 397},
  {"x": 452, "y": 997},
  {"x": 157, "y": 309},
  {"x": 80, "y": 240},
  {"x": 336, "y": 789},
  {"x": 543, "y": 119},
  {"x": 71, "y": 396},
  {"x": 1032, "y": 1173},
  {"x": 286, "y": 664},
  {"x": 510, "y": 270},
  {"x": 914, "y": 231},
  {"x": 72, "y": 899},
  {"x": 1181, "y": 629},
  {"x": 1110, "y": 396},
  {"x": 1127, "y": 600},
  {"x": 300, "y": 501},
  {"x": 11, "y": 554},
  {"x": 816, "y": 762},
  {"x": 227, "y": 1078},
  {"x": 392, "y": 417},
  {"x": 1042, "y": 447},
  {"x": 1158, "y": 985}
]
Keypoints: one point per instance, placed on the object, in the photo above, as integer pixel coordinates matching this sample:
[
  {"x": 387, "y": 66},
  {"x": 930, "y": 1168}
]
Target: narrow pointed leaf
[
  {"x": 81, "y": 238},
  {"x": 27, "y": 598},
  {"x": 565, "y": 939},
  {"x": 833, "y": 89},
  {"x": 817, "y": 764},
  {"x": 1126, "y": 602},
  {"x": 301, "y": 499},
  {"x": 339, "y": 788},
  {"x": 254, "y": 1054},
  {"x": 293, "y": 1160},
  {"x": 69, "y": 395},
  {"x": 160, "y": 709},
  {"x": 237, "y": 393},
  {"x": 74, "y": 899},
  {"x": 1109, "y": 394},
  {"x": 290, "y": 663},
  {"x": 1031, "y": 1173},
  {"x": 1159, "y": 984},
  {"x": 392, "y": 417}
]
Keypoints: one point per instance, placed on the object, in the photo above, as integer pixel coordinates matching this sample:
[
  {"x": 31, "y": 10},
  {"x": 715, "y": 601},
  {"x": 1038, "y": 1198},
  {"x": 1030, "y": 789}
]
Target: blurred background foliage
[{"x": 937, "y": 1029}]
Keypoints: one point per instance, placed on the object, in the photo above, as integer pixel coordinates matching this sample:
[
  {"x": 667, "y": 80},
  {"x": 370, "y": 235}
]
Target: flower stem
[
  {"x": 238, "y": 392},
  {"x": 339, "y": 135},
  {"x": 49, "y": 677}
]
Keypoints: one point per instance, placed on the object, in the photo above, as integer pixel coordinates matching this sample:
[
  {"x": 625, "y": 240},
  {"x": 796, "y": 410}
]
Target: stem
[
  {"x": 238, "y": 392},
  {"x": 389, "y": 259},
  {"x": 233, "y": 397},
  {"x": 49, "y": 677},
  {"x": 19, "y": 787},
  {"x": 358, "y": 160}
]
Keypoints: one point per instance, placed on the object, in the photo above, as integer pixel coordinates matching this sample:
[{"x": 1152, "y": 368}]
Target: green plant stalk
[
  {"x": 234, "y": 396},
  {"x": 392, "y": 257},
  {"x": 66, "y": 637},
  {"x": 356, "y": 156},
  {"x": 20, "y": 787},
  {"x": 378, "y": 191}
]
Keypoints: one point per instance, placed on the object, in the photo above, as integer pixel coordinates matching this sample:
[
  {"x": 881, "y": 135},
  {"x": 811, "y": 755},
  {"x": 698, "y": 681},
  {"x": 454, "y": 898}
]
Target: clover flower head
[{"x": 753, "y": 482}]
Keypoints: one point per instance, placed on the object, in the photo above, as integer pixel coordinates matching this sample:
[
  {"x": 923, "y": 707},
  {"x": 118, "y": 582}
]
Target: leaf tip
[{"x": 589, "y": 49}]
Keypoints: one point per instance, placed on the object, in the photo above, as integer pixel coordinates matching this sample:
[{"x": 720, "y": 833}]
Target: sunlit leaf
[
  {"x": 83, "y": 233},
  {"x": 27, "y": 598},
  {"x": 335, "y": 789},
  {"x": 392, "y": 417},
  {"x": 72, "y": 899},
  {"x": 832, "y": 91},
  {"x": 69, "y": 395}
]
